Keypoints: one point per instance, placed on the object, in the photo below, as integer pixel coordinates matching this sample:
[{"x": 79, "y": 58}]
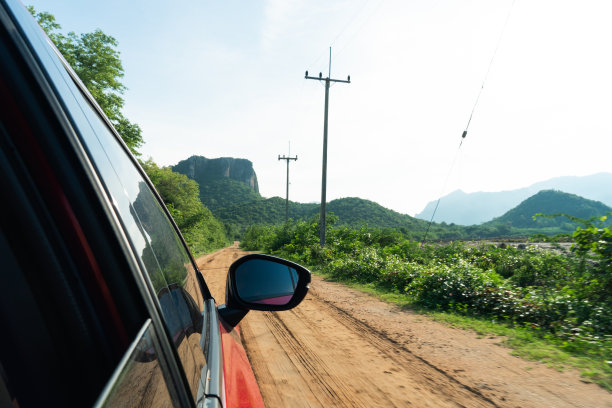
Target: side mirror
[{"x": 262, "y": 282}]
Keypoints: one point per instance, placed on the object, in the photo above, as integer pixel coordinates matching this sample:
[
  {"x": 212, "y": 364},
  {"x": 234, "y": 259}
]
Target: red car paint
[{"x": 241, "y": 389}]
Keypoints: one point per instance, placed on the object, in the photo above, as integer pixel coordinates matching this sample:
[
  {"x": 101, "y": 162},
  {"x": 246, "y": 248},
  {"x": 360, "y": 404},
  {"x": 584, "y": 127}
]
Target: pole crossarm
[{"x": 346, "y": 81}]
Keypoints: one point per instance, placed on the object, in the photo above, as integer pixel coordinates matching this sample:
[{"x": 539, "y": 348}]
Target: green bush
[{"x": 566, "y": 295}]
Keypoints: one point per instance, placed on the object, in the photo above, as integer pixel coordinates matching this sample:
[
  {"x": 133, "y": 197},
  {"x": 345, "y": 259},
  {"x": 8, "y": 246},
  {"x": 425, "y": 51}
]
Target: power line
[
  {"x": 443, "y": 189},
  {"x": 467, "y": 126},
  {"x": 348, "y": 24},
  {"x": 365, "y": 3},
  {"x": 365, "y": 23},
  {"x": 501, "y": 35},
  {"x": 327, "y": 80}
]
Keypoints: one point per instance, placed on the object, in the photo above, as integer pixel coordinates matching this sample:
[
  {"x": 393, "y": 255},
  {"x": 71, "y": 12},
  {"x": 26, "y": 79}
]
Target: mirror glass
[{"x": 266, "y": 282}]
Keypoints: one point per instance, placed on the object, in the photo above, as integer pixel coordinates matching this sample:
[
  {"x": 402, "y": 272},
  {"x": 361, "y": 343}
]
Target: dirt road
[{"x": 342, "y": 348}]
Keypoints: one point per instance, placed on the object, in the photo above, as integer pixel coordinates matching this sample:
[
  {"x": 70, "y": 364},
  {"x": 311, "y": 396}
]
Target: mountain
[
  {"x": 201, "y": 169},
  {"x": 223, "y": 182},
  {"x": 475, "y": 208},
  {"x": 551, "y": 202},
  {"x": 229, "y": 188}
]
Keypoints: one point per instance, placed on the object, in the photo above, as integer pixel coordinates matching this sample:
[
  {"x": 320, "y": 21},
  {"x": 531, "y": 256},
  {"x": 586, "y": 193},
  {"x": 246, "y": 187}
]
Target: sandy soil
[{"x": 343, "y": 348}]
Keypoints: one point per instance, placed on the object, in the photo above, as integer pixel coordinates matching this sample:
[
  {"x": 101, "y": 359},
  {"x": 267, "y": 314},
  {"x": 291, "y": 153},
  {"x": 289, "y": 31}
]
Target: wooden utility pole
[
  {"x": 287, "y": 159},
  {"x": 327, "y": 80}
]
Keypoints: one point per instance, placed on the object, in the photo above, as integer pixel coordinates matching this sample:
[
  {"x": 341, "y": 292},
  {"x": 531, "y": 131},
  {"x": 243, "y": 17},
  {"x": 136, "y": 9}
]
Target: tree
[
  {"x": 95, "y": 59},
  {"x": 202, "y": 231}
]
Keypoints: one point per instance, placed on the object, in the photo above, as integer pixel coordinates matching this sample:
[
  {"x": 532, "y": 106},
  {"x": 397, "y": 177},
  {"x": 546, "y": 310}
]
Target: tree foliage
[
  {"x": 95, "y": 59},
  {"x": 202, "y": 231}
]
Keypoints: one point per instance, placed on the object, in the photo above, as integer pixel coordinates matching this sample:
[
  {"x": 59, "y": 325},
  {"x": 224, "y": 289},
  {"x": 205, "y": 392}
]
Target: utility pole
[
  {"x": 327, "y": 80},
  {"x": 287, "y": 159}
]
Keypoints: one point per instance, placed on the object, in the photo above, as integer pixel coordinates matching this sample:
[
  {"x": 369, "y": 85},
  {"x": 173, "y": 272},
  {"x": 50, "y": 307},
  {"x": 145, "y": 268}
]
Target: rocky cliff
[{"x": 204, "y": 170}]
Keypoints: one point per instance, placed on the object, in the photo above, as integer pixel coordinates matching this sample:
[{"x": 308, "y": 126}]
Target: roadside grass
[{"x": 593, "y": 362}]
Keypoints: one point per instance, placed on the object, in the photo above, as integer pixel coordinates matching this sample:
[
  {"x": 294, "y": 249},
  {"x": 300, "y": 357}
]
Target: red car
[{"x": 102, "y": 303}]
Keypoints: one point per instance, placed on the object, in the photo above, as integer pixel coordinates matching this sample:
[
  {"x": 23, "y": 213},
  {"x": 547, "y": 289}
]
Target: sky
[{"x": 226, "y": 79}]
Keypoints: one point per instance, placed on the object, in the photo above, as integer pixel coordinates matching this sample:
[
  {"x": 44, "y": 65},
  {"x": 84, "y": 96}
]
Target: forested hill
[
  {"x": 228, "y": 187},
  {"x": 551, "y": 202},
  {"x": 355, "y": 212}
]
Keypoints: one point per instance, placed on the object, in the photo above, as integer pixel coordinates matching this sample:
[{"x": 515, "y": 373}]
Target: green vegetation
[
  {"x": 94, "y": 58},
  {"x": 559, "y": 298},
  {"x": 201, "y": 230},
  {"x": 218, "y": 195}
]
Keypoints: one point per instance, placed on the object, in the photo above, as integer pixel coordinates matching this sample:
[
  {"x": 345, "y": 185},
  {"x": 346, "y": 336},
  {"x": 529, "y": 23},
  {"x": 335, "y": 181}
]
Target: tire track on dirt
[
  {"x": 345, "y": 363},
  {"x": 381, "y": 341},
  {"x": 315, "y": 371}
]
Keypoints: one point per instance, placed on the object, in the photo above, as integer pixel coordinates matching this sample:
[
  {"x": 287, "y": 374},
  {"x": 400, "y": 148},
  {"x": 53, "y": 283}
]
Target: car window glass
[
  {"x": 140, "y": 382},
  {"x": 151, "y": 234},
  {"x": 156, "y": 243}
]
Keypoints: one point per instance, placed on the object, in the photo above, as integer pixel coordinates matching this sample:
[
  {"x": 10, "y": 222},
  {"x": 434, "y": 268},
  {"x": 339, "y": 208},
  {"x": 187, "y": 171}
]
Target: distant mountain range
[
  {"x": 229, "y": 188},
  {"x": 476, "y": 208}
]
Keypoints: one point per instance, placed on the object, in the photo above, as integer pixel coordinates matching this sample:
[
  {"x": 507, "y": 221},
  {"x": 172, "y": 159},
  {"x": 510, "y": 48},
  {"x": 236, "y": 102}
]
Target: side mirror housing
[{"x": 262, "y": 282}]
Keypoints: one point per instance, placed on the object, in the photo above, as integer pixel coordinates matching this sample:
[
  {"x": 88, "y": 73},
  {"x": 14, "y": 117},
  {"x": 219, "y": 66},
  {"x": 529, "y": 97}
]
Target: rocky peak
[{"x": 200, "y": 168}]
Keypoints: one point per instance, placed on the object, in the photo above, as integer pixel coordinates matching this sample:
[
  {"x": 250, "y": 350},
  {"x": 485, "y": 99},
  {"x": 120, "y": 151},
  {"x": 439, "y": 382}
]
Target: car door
[{"x": 177, "y": 333}]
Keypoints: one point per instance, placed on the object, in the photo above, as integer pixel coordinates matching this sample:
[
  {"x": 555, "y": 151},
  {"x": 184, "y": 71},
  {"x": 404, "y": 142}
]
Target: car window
[
  {"x": 155, "y": 242},
  {"x": 151, "y": 234}
]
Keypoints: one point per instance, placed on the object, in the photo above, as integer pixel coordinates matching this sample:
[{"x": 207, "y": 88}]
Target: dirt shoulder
[{"x": 344, "y": 348}]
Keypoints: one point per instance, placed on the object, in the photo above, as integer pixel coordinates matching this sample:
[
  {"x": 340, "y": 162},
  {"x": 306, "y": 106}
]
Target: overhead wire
[
  {"x": 467, "y": 126},
  {"x": 347, "y": 25},
  {"x": 488, "y": 71},
  {"x": 443, "y": 189},
  {"x": 361, "y": 27}
]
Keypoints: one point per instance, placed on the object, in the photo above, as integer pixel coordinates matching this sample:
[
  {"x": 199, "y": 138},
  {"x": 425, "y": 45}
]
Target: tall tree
[{"x": 95, "y": 59}]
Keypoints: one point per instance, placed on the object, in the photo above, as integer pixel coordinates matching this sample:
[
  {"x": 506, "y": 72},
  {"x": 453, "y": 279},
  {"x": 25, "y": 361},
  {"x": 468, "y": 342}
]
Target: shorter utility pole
[
  {"x": 327, "y": 80},
  {"x": 287, "y": 159}
]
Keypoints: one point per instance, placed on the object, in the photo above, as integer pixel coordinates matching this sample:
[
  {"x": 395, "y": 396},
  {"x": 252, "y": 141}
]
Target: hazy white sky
[{"x": 226, "y": 79}]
